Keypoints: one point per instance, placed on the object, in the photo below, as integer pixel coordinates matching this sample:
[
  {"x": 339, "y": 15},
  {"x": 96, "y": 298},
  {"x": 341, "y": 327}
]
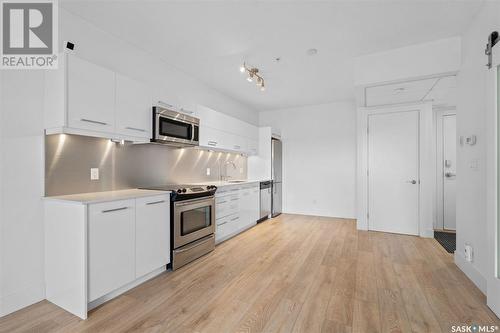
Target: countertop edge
[{"x": 101, "y": 196}]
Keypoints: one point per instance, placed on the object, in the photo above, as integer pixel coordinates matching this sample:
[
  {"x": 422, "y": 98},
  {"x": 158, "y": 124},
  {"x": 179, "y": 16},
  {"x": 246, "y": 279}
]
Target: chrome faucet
[{"x": 225, "y": 177}]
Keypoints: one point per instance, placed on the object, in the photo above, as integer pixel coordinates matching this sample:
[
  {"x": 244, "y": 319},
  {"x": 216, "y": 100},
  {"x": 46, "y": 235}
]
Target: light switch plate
[
  {"x": 94, "y": 173},
  {"x": 208, "y": 171}
]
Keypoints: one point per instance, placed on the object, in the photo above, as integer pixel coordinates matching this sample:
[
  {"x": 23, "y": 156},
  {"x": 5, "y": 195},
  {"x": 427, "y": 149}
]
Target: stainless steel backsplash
[{"x": 68, "y": 159}]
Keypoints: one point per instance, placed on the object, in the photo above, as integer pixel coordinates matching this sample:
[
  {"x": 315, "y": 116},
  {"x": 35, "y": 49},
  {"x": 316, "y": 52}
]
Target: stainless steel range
[{"x": 192, "y": 216}]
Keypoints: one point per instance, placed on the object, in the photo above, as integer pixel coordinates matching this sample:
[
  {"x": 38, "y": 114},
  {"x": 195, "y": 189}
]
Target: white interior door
[
  {"x": 449, "y": 170},
  {"x": 393, "y": 172}
]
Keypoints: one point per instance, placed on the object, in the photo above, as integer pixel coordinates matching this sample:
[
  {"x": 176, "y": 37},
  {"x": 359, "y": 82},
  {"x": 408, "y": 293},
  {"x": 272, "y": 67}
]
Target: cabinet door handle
[
  {"x": 135, "y": 129},
  {"x": 236, "y": 147},
  {"x": 235, "y": 199},
  {"x": 114, "y": 209},
  {"x": 93, "y": 121},
  {"x": 221, "y": 202},
  {"x": 222, "y": 223},
  {"x": 212, "y": 143},
  {"x": 235, "y": 218},
  {"x": 155, "y": 202}
]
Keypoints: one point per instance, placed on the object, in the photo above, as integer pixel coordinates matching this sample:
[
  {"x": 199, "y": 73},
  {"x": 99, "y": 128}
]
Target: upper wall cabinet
[
  {"x": 90, "y": 96},
  {"x": 222, "y": 132},
  {"x": 133, "y": 108},
  {"x": 86, "y": 99},
  {"x": 174, "y": 103}
]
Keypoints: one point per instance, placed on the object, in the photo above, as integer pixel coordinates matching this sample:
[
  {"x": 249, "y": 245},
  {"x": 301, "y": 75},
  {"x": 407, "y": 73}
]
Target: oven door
[{"x": 193, "y": 219}]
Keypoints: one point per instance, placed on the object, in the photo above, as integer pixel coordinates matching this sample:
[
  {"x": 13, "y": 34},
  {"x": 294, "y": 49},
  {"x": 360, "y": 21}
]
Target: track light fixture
[{"x": 253, "y": 73}]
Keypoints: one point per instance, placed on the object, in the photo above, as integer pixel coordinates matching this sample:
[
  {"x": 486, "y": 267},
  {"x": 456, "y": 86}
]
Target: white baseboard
[
  {"x": 21, "y": 299},
  {"x": 429, "y": 233},
  {"x": 471, "y": 272}
]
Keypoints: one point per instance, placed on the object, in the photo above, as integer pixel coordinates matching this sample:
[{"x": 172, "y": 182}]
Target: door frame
[
  {"x": 439, "y": 114},
  {"x": 492, "y": 195},
  {"x": 427, "y": 159}
]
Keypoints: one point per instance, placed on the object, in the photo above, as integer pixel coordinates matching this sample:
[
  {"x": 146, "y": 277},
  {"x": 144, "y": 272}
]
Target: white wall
[
  {"x": 471, "y": 109},
  {"x": 426, "y": 59},
  {"x": 21, "y": 148},
  {"x": 21, "y": 245},
  {"x": 319, "y": 158}
]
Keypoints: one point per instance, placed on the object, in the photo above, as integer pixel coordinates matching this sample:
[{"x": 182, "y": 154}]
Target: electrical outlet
[
  {"x": 94, "y": 173},
  {"x": 468, "y": 252}
]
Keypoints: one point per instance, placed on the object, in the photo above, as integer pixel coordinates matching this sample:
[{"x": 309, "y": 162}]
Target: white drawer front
[{"x": 226, "y": 205}]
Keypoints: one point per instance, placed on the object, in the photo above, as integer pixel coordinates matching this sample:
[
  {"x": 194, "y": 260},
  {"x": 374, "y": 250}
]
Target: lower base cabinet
[
  {"x": 96, "y": 251},
  {"x": 237, "y": 209},
  {"x": 152, "y": 234},
  {"x": 111, "y": 251}
]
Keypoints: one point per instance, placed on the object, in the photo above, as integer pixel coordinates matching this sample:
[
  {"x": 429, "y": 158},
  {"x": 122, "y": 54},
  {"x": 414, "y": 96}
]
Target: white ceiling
[{"x": 210, "y": 39}]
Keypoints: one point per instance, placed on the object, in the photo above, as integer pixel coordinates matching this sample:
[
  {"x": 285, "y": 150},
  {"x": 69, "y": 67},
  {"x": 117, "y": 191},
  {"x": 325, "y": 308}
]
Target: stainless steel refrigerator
[{"x": 276, "y": 175}]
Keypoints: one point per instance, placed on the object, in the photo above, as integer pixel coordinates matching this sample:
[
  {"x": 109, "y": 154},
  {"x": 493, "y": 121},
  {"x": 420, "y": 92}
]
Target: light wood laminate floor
[{"x": 290, "y": 274}]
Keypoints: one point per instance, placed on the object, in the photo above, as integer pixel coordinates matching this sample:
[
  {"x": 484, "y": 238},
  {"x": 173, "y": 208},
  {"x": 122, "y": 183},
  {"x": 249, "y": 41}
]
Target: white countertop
[{"x": 97, "y": 197}]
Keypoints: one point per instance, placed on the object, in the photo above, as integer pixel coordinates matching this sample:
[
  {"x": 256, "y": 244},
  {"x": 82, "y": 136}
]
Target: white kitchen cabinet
[
  {"x": 253, "y": 147},
  {"x": 152, "y": 234},
  {"x": 249, "y": 204},
  {"x": 111, "y": 253},
  {"x": 91, "y": 96},
  {"x": 213, "y": 138},
  {"x": 99, "y": 245},
  {"x": 87, "y": 99},
  {"x": 133, "y": 109},
  {"x": 223, "y": 132},
  {"x": 236, "y": 209}
]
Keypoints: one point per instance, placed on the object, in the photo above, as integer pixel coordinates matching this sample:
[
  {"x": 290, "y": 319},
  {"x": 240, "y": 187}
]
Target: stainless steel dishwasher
[{"x": 265, "y": 200}]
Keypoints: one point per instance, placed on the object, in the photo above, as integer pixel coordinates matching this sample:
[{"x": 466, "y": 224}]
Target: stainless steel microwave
[{"x": 174, "y": 128}]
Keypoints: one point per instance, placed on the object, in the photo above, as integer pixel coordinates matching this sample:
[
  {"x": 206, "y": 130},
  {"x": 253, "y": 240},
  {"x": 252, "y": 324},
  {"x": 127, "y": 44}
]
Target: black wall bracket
[{"x": 493, "y": 38}]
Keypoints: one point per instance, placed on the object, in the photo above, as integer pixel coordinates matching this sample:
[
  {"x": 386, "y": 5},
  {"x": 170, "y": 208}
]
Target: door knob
[
  {"x": 449, "y": 174},
  {"x": 413, "y": 181}
]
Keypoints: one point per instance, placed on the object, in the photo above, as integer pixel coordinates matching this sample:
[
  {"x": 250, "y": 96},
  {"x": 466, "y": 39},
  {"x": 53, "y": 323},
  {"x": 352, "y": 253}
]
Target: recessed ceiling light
[{"x": 312, "y": 52}]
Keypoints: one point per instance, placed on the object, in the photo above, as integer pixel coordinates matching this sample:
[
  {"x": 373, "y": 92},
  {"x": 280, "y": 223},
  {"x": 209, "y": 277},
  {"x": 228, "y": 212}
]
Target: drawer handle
[
  {"x": 93, "y": 121},
  {"x": 212, "y": 143},
  {"x": 235, "y": 199},
  {"x": 222, "y": 223},
  {"x": 135, "y": 129},
  {"x": 235, "y": 218},
  {"x": 237, "y": 147},
  {"x": 221, "y": 202},
  {"x": 155, "y": 202},
  {"x": 114, "y": 209}
]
